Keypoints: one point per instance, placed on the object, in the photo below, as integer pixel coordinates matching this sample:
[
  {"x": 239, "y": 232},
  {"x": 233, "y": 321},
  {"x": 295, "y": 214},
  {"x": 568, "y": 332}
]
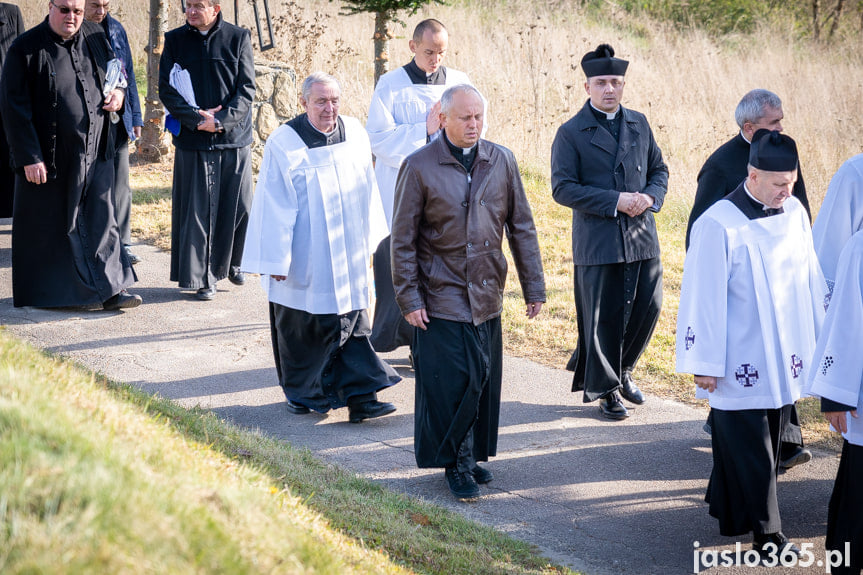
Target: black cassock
[
  {"x": 66, "y": 248},
  {"x": 844, "y": 519},
  {"x": 11, "y": 26},
  {"x": 457, "y": 401}
]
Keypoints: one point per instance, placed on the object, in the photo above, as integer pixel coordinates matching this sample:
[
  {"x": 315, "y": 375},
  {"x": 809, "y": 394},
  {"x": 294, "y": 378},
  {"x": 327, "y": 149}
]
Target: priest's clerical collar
[
  {"x": 464, "y": 156},
  {"x": 608, "y": 115},
  {"x": 314, "y": 138},
  {"x": 742, "y": 135},
  {"x": 419, "y": 76}
]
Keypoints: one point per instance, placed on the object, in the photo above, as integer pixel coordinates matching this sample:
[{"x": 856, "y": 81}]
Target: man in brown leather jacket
[{"x": 454, "y": 199}]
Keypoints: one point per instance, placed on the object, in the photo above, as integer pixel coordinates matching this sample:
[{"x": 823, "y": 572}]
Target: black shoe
[
  {"x": 133, "y": 259},
  {"x": 629, "y": 390},
  {"x": 481, "y": 474},
  {"x": 206, "y": 293},
  {"x": 462, "y": 485},
  {"x": 297, "y": 409},
  {"x": 123, "y": 300},
  {"x": 369, "y": 410},
  {"x": 799, "y": 457},
  {"x": 771, "y": 554},
  {"x": 236, "y": 277},
  {"x": 612, "y": 406}
]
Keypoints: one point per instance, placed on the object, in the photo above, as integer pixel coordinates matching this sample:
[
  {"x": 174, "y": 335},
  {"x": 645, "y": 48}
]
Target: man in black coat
[
  {"x": 212, "y": 190},
  {"x": 11, "y": 26},
  {"x": 726, "y": 167},
  {"x": 66, "y": 248},
  {"x": 721, "y": 174},
  {"x": 606, "y": 166}
]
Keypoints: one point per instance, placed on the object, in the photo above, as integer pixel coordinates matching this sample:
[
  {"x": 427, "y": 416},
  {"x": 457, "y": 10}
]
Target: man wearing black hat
[
  {"x": 606, "y": 166},
  {"x": 751, "y": 304}
]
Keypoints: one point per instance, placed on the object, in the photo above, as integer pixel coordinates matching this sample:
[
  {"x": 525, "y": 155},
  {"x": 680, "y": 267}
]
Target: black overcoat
[
  {"x": 589, "y": 169},
  {"x": 723, "y": 171},
  {"x": 66, "y": 248}
]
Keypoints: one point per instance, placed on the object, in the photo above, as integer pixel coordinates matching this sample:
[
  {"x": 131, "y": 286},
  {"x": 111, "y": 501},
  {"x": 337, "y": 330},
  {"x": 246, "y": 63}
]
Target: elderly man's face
[
  {"x": 771, "y": 188},
  {"x": 202, "y": 14},
  {"x": 65, "y": 17},
  {"x": 96, "y": 10},
  {"x": 605, "y": 92},
  {"x": 322, "y": 106},
  {"x": 771, "y": 120},
  {"x": 429, "y": 53},
  {"x": 463, "y": 121}
]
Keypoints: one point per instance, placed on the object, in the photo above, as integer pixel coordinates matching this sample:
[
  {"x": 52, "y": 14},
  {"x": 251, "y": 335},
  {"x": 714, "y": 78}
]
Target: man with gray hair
[
  {"x": 315, "y": 219},
  {"x": 726, "y": 167},
  {"x": 455, "y": 199},
  {"x": 721, "y": 174}
]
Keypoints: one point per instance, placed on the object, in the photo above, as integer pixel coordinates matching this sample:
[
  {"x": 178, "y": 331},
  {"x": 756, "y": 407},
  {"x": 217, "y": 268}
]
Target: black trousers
[
  {"x": 459, "y": 370},
  {"x": 742, "y": 487},
  {"x": 845, "y": 512},
  {"x": 617, "y": 306}
]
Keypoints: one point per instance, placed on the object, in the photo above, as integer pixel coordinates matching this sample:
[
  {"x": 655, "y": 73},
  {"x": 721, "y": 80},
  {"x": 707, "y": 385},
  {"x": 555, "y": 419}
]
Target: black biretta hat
[
  {"x": 773, "y": 151},
  {"x": 601, "y": 62}
]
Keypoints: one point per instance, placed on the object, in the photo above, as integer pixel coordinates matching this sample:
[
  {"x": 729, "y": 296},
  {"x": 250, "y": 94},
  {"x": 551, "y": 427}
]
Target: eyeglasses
[{"x": 77, "y": 12}]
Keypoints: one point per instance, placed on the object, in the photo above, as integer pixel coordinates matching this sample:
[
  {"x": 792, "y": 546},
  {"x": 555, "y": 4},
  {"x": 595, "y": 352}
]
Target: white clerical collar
[
  {"x": 327, "y": 134},
  {"x": 608, "y": 115},
  {"x": 754, "y": 199},
  {"x": 744, "y": 137}
]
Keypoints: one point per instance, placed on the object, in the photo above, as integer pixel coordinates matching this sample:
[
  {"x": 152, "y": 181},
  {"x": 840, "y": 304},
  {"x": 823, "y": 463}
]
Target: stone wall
[{"x": 275, "y": 103}]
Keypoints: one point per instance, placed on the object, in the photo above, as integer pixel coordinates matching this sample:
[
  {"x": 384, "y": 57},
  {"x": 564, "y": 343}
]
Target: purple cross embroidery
[
  {"x": 796, "y": 366},
  {"x": 747, "y": 375},
  {"x": 690, "y": 338}
]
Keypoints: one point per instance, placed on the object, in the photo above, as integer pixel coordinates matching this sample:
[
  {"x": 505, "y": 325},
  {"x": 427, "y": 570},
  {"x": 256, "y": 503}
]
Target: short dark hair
[{"x": 431, "y": 24}]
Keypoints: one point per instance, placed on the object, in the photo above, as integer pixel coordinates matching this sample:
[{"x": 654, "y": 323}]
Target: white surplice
[
  {"x": 316, "y": 218},
  {"x": 751, "y": 304},
  {"x": 397, "y": 124},
  {"x": 837, "y": 365},
  {"x": 840, "y": 216}
]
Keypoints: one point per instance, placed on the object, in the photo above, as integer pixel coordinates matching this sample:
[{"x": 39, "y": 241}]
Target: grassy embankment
[{"x": 98, "y": 478}]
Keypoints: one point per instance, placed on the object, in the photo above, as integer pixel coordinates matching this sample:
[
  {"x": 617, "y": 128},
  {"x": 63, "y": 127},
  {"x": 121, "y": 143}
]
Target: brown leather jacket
[{"x": 448, "y": 231}]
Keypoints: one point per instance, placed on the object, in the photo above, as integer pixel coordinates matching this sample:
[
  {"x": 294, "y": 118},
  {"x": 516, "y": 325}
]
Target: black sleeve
[{"x": 830, "y": 405}]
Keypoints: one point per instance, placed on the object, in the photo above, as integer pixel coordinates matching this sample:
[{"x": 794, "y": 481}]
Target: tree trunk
[
  {"x": 816, "y": 24},
  {"x": 382, "y": 37},
  {"x": 837, "y": 12},
  {"x": 151, "y": 146}
]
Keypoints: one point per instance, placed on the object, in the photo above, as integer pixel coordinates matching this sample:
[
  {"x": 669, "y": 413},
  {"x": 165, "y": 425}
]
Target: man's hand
[
  {"x": 533, "y": 309},
  {"x": 209, "y": 122},
  {"x": 36, "y": 173},
  {"x": 838, "y": 420},
  {"x": 433, "y": 119},
  {"x": 279, "y": 278},
  {"x": 633, "y": 203},
  {"x": 136, "y": 130},
  {"x": 418, "y": 318},
  {"x": 707, "y": 382},
  {"x": 114, "y": 101}
]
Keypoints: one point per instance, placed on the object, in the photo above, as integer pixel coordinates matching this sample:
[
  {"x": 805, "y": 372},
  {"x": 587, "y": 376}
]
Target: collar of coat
[
  {"x": 445, "y": 155},
  {"x": 586, "y": 120}
]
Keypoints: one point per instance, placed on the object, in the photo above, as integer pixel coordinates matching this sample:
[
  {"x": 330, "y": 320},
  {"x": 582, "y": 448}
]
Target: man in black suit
[
  {"x": 721, "y": 174},
  {"x": 606, "y": 166},
  {"x": 726, "y": 167},
  {"x": 11, "y": 26}
]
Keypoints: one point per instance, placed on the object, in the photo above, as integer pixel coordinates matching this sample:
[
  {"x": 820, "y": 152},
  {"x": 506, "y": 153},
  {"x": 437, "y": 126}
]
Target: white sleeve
[
  {"x": 840, "y": 216},
  {"x": 391, "y": 142},
  {"x": 272, "y": 217},
  {"x": 837, "y": 364},
  {"x": 702, "y": 317}
]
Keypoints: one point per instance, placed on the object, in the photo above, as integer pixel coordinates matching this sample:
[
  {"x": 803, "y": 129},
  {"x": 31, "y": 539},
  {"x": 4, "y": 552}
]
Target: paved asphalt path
[{"x": 603, "y": 497}]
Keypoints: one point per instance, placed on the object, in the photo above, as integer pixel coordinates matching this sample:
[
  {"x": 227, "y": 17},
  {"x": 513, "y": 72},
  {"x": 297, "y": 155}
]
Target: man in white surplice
[
  {"x": 840, "y": 216},
  {"x": 751, "y": 304},
  {"x": 314, "y": 220},
  {"x": 403, "y": 117}
]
